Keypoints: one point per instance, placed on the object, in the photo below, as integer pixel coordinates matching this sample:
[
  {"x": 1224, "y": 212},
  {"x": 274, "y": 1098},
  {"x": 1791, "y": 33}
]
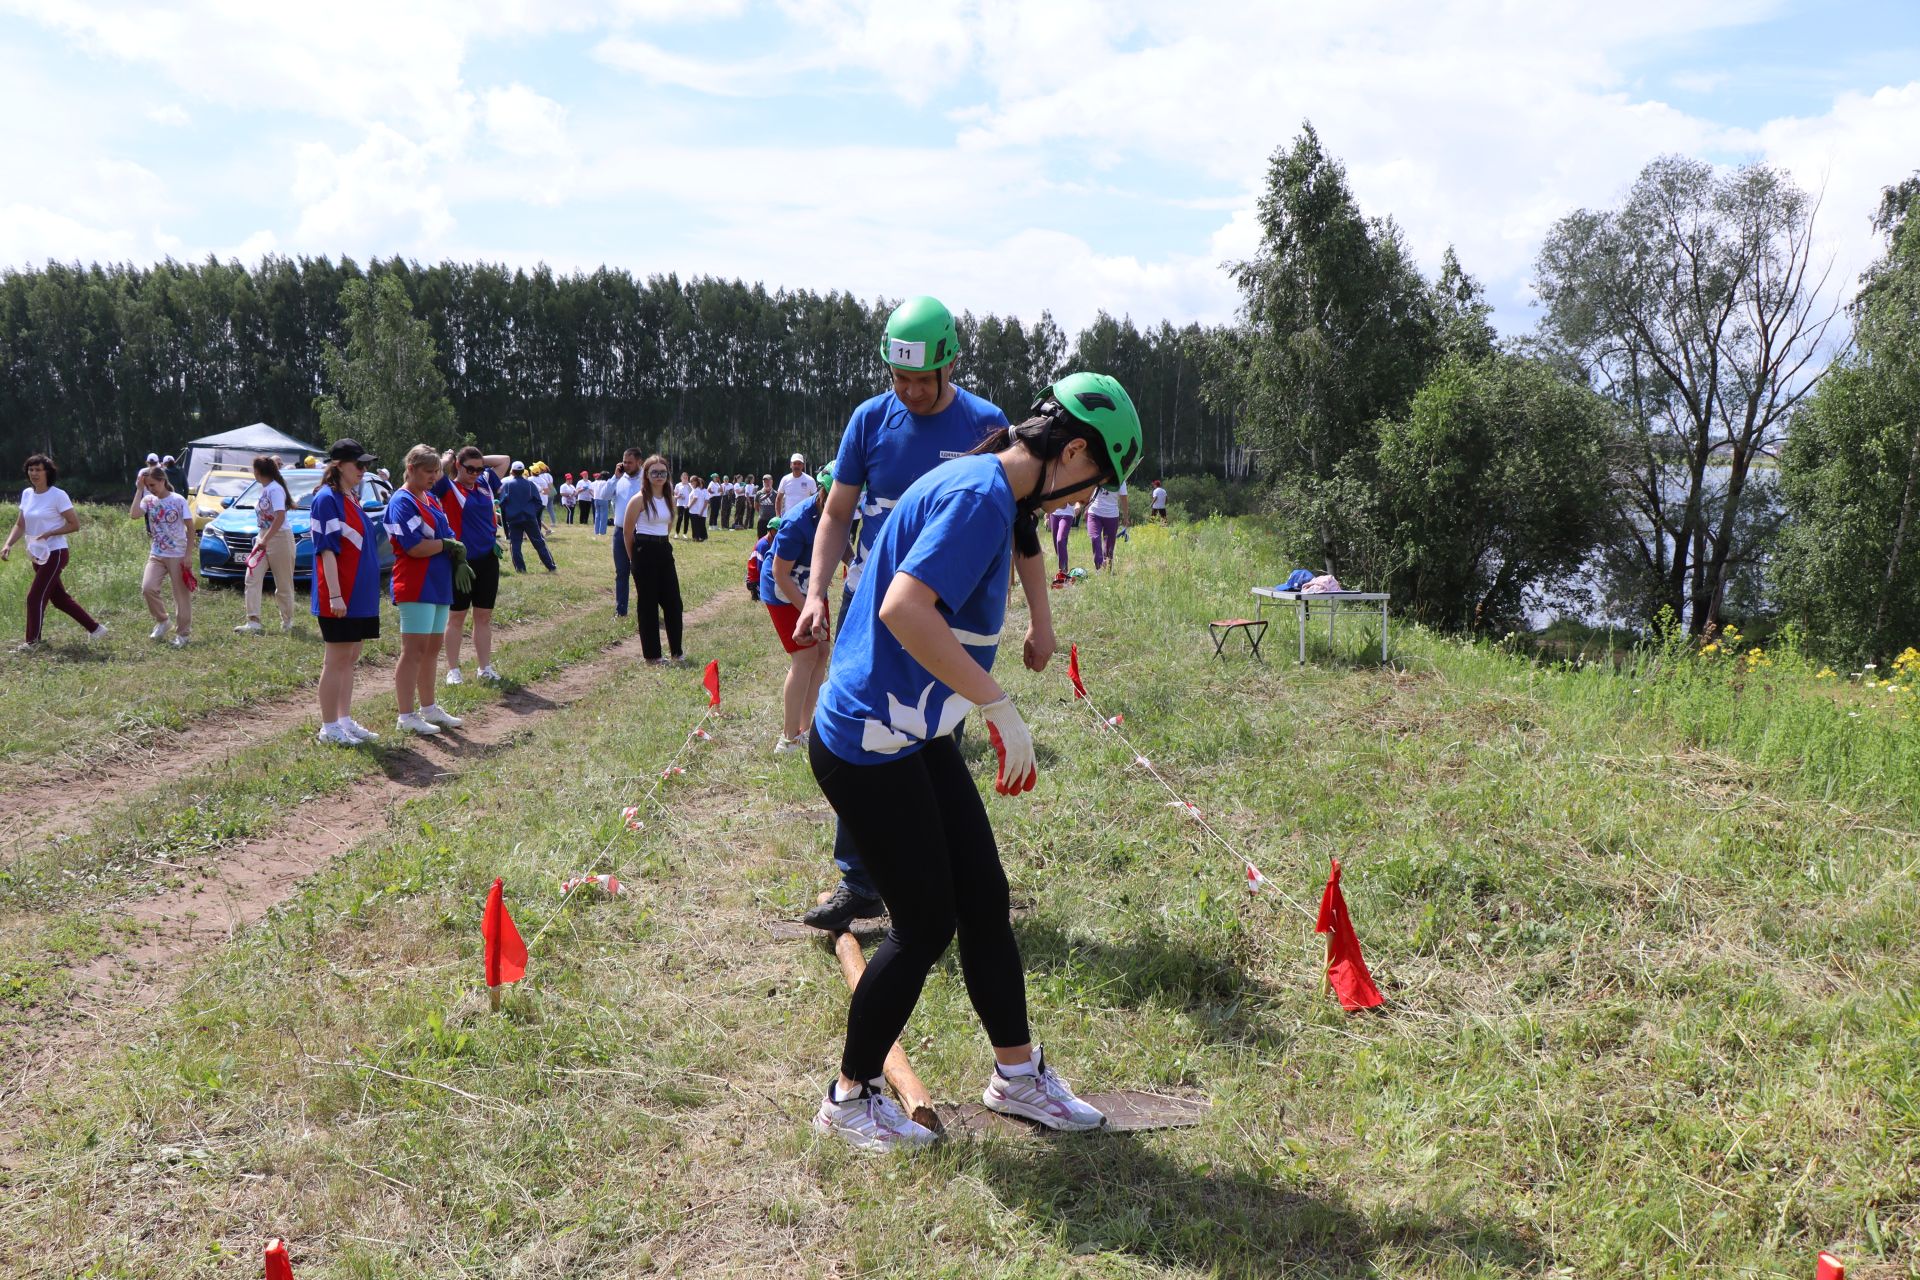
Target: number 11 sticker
[{"x": 913, "y": 354}]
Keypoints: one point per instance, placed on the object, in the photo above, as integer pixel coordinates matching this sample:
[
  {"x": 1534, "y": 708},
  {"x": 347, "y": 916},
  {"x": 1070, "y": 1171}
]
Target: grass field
[{"x": 1648, "y": 943}]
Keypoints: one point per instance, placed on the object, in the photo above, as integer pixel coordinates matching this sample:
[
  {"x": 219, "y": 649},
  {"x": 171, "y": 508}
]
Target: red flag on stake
[
  {"x": 278, "y": 1267},
  {"x": 712, "y": 681},
  {"x": 1255, "y": 881},
  {"x": 1828, "y": 1267},
  {"x": 505, "y": 954},
  {"x": 1073, "y": 670},
  {"x": 1346, "y": 967}
]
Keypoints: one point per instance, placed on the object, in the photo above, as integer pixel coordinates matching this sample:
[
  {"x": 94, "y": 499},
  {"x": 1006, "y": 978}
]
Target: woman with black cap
[{"x": 346, "y": 587}]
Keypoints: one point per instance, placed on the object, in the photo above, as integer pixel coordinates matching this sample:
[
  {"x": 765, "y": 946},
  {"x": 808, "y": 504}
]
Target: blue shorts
[{"x": 419, "y": 619}]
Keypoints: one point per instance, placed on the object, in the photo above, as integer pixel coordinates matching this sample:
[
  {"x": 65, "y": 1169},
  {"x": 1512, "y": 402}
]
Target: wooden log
[{"x": 899, "y": 1072}]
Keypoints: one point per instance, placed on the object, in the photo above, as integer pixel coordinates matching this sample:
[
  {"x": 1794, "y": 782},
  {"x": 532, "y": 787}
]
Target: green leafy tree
[
  {"x": 1848, "y": 567},
  {"x": 1337, "y": 332},
  {"x": 1493, "y": 484},
  {"x": 389, "y": 394},
  {"x": 1696, "y": 307}
]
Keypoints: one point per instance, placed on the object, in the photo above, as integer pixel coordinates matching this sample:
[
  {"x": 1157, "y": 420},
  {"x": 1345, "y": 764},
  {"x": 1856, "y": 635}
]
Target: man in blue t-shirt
[{"x": 890, "y": 442}]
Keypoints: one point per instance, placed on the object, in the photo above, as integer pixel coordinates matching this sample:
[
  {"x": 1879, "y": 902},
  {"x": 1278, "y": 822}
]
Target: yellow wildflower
[{"x": 1826, "y": 673}]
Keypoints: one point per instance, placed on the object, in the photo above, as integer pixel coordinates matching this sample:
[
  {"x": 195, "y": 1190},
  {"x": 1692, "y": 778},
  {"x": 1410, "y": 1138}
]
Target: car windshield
[
  {"x": 301, "y": 486},
  {"x": 219, "y": 486}
]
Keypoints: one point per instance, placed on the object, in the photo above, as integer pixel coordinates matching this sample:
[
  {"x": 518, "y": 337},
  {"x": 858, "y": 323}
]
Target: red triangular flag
[
  {"x": 1346, "y": 967},
  {"x": 712, "y": 681},
  {"x": 1073, "y": 671},
  {"x": 1255, "y": 881},
  {"x": 505, "y": 954},
  {"x": 278, "y": 1267}
]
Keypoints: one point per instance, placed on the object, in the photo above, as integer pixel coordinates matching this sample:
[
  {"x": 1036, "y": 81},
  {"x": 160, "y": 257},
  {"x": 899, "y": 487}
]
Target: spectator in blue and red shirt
[
  {"x": 424, "y": 553},
  {"x": 466, "y": 490},
  {"x": 346, "y": 587}
]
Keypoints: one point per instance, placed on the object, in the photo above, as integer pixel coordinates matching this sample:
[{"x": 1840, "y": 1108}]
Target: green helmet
[
  {"x": 920, "y": 336},
  {"x": 825, "y": 478},
  {"x": 773, "y": 525},
  {"x": 1100, "y": 402}
]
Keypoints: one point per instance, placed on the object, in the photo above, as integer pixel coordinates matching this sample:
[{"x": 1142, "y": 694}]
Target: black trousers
[
  {"x": 656, "y": 592},
  {"x": 681, "y": 521},
  {"x": 699, "y": 528},
  {"x": 923, "y": 834}
]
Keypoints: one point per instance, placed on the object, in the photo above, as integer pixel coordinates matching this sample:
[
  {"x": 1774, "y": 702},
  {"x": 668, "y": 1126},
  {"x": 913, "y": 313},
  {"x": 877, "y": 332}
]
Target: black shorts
[
  {"x": 486, "y": 584},
  {"x": 348, "y": 630}
]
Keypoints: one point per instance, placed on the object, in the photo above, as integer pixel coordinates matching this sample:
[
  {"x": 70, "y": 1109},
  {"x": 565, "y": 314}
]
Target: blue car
[{"x": 228, "y": 539}]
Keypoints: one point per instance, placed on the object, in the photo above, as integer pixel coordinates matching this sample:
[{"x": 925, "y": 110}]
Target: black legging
[
  {"x": 656, "y": 586},
  {"x": 924, "y": 836},
  {"x": 681, "y": 521}
]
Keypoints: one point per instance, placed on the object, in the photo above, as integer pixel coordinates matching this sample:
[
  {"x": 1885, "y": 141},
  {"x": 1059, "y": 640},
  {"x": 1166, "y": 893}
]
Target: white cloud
[
  {"x": 172, "y": 114},
  {"x": 524, "y": 123},
  {"x": 378, "y": 198},
  {"x": 720, "y": 79}
]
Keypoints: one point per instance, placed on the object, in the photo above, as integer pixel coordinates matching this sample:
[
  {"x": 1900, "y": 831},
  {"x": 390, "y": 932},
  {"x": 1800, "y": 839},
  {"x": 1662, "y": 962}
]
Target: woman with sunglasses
[
  {"x": 466, "y": 490},
  {"x": 916, "y": 654},
  {"x": 645, "y": 529}
]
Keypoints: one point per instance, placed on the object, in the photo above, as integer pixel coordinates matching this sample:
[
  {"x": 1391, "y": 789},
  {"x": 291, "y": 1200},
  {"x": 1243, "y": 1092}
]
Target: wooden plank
[
  {"x": 899, "y": 1072},
  {"x": 794, "y": 931}
]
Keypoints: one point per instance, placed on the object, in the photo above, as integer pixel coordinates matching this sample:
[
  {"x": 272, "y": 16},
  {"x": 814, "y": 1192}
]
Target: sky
[{"x": 1004, "y": 155}]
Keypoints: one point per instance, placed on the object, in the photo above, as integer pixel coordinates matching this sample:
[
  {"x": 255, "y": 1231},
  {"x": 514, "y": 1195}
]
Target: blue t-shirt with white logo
[
  {"x": 953, "y": 531},
  {"x": 886, "y": 447},
  {"x": 793, "y": 540}
]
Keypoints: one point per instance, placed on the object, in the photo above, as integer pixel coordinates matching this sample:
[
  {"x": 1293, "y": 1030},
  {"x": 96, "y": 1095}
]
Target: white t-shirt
[
  {"x": 1106, "y": 502},
  {"x": 680, "y": 493},
  {"x": 599, "y": 488},
  {"x": 544, "y": 483},
  {"x": 697, "y": 502},
  {"x": 271, "y": 502},
  {"x": 41, "y": 513},
  {"x": 1159, "y": 498},
  {"x": 166, "y": 525},
  {"x": 657, "y": 521},
  {"x": 796, "y": 489},
  {"x": 566, "y": 493}
]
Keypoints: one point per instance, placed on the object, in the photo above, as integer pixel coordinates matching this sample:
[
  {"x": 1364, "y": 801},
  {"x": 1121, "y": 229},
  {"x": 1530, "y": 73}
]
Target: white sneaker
[
  {"x": 159, "y": 631},
  {"x": 179, "y": 642},
  {"x": 490, "y": 675},
  {"x": 98, "y": 633},
  {"x": 786, "y": 744},
  {"x": 250, "y": 628},
  {"x": 335, "y": 736},
  {"x": 412, "y": 723},
  {"x": 286, "y": 626},
  {"x": 434, "y": 715},
  {"x": 871, "y": 1121},
  {"x": 1042, "y": 1096},
  {"x": 358, "y": 731},
  {"x": 453, "y": 675}
]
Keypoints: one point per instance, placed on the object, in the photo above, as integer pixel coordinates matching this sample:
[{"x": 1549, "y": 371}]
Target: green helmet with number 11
[
  {"x": 920, "y": 336},
  {"x": 1098, "y": 401}
]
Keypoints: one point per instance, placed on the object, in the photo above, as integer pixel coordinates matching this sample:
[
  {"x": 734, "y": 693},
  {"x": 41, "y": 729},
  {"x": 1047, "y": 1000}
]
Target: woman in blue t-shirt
[{"x": 915, "y": 654}]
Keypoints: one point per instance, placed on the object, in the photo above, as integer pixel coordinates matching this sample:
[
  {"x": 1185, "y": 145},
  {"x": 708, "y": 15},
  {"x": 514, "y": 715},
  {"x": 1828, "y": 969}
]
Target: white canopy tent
[{"x": 236, "y": 449}]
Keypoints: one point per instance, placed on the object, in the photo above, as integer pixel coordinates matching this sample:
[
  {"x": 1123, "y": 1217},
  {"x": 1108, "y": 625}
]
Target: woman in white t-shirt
[
  {"x": 46, "y": 518},
  {"x": 1106, "y": 515},
  {"x": 644, "y": 528},
  {"x": 697, "y": 499},
  {"x": 1159, "y": 501},
  {"x": 168, "y": 520},
  {"x": 272, "y": 548}
]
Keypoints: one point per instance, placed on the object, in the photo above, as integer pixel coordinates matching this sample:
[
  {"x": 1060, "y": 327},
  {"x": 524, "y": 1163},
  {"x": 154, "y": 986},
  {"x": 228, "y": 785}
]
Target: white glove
[{"x": 1013, "y": 743}]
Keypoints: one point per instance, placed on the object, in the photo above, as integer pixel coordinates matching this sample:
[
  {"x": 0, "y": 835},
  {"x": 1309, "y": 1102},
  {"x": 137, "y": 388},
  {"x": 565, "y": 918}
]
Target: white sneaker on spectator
[
  {"x": 488, "y": 674},
  {"x": 1041, "y": 1096},
  {"x": 98, "y": 632},
  {"x": 787, "y": 744},
  {"x": 432, "y": 714},
  {"x": 179, "y": 642},
  {"x": 286, "y": 625},
  {"x": 159, "y": 631},
  {"x": 336, "y": 736},
  {"x": 251, "y": 627},
  {"x": 870, "y": 1121},
  {"x": 358, "y": 731},
  {"x": 453, "y": 675},
  {"x": 412, "y": 723}
]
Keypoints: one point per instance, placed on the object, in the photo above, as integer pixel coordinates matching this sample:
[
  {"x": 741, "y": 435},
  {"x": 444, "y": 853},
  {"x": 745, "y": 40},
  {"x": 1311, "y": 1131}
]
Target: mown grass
[
  {"x": 77, "y": 700},
  {"x": 1650, "y": 1001}
]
